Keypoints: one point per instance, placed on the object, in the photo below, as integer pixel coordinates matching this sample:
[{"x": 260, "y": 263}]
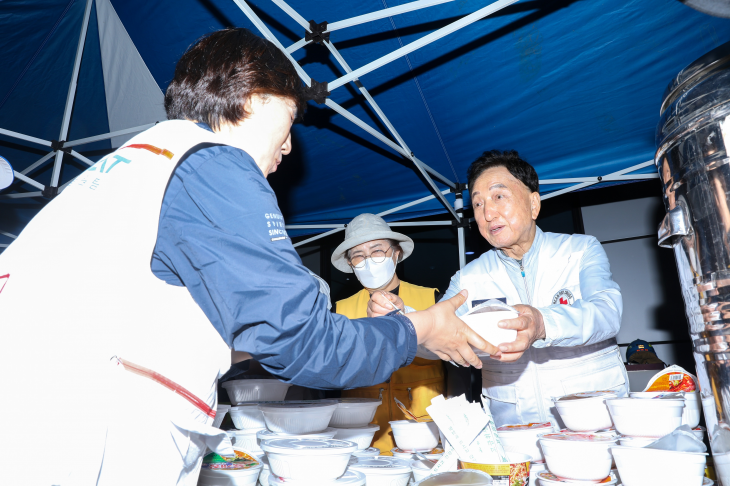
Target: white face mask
[{"x": 374, "y": 275}]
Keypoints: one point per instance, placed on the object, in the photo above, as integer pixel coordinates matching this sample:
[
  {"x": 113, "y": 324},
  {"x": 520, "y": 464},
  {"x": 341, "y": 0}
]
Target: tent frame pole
[
  {"x": 381, "y": 214},
  {"x": 71, "y": 94},
  {"x": 459, "y": 207}
]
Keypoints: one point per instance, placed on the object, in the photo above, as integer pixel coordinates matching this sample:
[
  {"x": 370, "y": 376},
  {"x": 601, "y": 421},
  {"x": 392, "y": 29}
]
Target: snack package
[
  {"x": 673, "y": 379},
  {"x": 242, "y": 460}
]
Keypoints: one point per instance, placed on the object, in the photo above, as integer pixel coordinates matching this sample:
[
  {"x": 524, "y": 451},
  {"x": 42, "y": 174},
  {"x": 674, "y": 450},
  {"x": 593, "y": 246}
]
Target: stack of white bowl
[
  {"x": 580, "y": 453},
  {"x": 351, "y": 420},
  {"x": 643, "y": 419},
  {"x": 246, "y": 416}
]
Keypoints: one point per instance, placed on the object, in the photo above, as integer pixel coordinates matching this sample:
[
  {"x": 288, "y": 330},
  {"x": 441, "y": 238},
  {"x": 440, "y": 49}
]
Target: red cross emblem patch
[{"x": 564, "y": 297}]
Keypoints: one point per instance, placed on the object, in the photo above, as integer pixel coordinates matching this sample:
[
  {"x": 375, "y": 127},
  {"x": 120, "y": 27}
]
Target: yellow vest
[{"x": 414, "y": 385}]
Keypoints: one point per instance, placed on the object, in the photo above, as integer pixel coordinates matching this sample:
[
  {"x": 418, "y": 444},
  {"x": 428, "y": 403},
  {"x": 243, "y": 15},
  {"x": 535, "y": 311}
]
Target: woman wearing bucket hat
[{"x": 372, "y": 251}]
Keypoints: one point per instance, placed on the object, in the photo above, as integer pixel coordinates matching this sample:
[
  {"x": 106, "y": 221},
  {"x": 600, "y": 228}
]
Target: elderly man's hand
[
  {"x": 441, "y": 332},
  {"x": 529, "y": 326},
  {"x": 380, "y": 303}
]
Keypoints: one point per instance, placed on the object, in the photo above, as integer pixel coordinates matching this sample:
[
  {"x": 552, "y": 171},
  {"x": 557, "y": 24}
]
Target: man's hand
[
  {"x": 441, "y": 332},
  {"x": 380, "y": 303},
  {"x": 529, "y": 326}
]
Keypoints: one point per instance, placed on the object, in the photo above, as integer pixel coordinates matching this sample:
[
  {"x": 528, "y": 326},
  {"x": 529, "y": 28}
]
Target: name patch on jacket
[
  {"x": 475, "y": 303},
  {"x": 564, "y": 297}
]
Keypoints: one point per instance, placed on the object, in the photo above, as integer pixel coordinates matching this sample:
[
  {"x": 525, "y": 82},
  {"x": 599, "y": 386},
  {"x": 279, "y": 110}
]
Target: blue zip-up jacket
[{"x": 221, "y": 235}]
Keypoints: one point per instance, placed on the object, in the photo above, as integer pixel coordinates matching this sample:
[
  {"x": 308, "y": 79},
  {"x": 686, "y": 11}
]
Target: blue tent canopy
[{"x": 573, "y": 85}]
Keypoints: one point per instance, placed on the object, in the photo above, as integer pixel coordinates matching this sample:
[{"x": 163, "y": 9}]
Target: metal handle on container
[{"x": 674, "y": 225}]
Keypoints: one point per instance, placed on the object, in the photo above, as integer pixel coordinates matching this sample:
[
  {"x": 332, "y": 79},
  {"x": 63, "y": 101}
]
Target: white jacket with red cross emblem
[{"x": 568, "y": 279}]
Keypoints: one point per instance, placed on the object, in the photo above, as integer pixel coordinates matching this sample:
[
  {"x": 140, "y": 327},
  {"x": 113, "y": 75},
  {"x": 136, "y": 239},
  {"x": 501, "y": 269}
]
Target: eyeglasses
[{"x": 378, "y": 256}]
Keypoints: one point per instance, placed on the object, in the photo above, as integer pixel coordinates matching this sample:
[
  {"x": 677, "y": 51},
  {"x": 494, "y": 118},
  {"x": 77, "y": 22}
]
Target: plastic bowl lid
[
  {"x": 237, "y": 432},
  {"x": 369, "y": 452},
  {"x": 436, "y": 451},
  {"x": 587, "y": 395},
  {"x": 365, "y": 428},
  {"x": 244, "y": 380},
  {"x": 295, "y": 405},
  {"x": 524, "y": 427},
  {"x": 358, "y": 402},
  {"x": 350, "y": 478},
  {"x": 243, "y": 461},
  {"x": 549, "y": 478},
  {"x": 470, "y": 477},
  {"x": 647, "y": 403},
  {"x": 580, "y": 437},
  {"x": 266, "y": 434},
  {"x": 308, "y": 447},
  {"x": 381, "y": 465}
]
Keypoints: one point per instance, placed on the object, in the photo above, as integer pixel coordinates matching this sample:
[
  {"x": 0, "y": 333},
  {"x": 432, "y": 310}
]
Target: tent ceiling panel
[{"x": 574, "y": 85}]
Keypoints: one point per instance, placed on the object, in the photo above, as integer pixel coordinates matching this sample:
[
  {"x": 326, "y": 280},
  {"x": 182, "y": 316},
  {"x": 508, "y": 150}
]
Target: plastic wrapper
[{"x": 682, "y": 439}]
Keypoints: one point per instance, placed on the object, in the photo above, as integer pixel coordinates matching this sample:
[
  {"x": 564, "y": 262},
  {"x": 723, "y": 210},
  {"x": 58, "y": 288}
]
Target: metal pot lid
[
  {"x": 308, "y": 447},
  {"x": 381, "y": 465}
]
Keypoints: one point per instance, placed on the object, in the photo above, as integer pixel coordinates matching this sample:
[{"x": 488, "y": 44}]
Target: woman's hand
[
  {"x": 380, "y": 303},
  {"x": 441, "y": 332},
  {"x": 529, "y": 326}
]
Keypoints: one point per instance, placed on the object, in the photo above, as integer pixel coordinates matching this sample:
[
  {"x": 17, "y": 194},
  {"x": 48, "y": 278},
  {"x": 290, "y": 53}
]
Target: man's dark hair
[
  {"x": 217, "y": 74},
  {"x": 510, "y": 160}
]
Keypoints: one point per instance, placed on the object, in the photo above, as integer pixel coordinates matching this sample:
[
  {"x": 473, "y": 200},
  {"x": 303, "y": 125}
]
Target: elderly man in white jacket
[{"x": 569, "y": 307}]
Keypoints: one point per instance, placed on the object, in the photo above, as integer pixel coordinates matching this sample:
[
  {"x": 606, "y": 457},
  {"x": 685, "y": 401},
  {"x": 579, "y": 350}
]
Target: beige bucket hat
[{"x": 367, "y": 227}]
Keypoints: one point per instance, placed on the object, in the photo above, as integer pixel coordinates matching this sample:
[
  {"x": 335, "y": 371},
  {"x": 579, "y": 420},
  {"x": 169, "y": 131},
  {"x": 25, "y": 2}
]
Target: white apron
[
  {"x": 522, "y": 392},
  {"x": 79, "y": 291}
]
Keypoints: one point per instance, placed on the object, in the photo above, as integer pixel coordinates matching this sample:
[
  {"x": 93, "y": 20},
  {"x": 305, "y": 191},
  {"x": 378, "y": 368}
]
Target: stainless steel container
[{"x": 693, "y": 160}]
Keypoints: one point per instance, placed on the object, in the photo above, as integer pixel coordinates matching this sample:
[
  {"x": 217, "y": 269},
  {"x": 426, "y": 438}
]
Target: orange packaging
[{"x": 673, "y": 379}]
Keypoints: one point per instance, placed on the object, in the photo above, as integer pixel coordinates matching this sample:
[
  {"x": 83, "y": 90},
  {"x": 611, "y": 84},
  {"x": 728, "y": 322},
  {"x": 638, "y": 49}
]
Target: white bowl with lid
[
  {"x": 578, "y": 456},
  {"x": 308, "y": 459},
  {"x": 254, "y": 390},
  {"x": 297, "y": 417},
  {"x": 692, "y": 405},
  {"x": 412, "y": 436},
  {"x": 220, "y": 414},
  {"x": 354, "y": 412},
  {"x": 383, "y": 470},
  {"x": 642, "y": 466},
  {"x": 419, "y": 469},
  {"x": 266, "y": 434},
  {"x": 369, "y": 452},
  {"x": 362, "y": 436},
  {"x": 243, "y": 471},
  {"x": 629, "y": 441},
  {"x": 586, "y": 411},
  {"x": 265, "y": 471},
  {"x": 646, "y": 418},
  {"x": 350, "y": 478},
  {"x": 523, "y": 438},
  {"x": 247, "y": 416},
  {"x": 245, "y": 439}
]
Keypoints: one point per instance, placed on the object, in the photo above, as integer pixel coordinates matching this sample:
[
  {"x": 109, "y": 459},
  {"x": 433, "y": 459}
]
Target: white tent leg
[
  {"x": 408, "y": 153},
  {"x": 423, "y": 41},
  {"x": 71, "y": 94},
  {"x": 107, "y": 136},
  {"x": 384, "y": 213},
  {"x": 37, "y": 163},
  {"x": 27, "y": 138},
  {"x": 21, "y": 195},
  {"x": 459, "y": 206},
  {"x": 28, "y": 180}
]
